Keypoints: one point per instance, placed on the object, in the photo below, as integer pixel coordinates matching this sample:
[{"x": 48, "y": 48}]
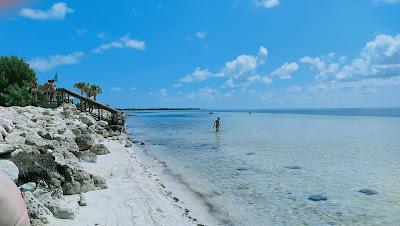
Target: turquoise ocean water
[{"x": 260, "y": 169}]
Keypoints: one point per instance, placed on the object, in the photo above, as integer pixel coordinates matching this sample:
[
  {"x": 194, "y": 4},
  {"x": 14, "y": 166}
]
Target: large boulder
[
  {"x": 62, "y": 209},
  {"x": 99, "y": 149},
  {"x": 34, "y": 167},
  {"x": 88, "y": 120},
  {"x": 87, "y": 156},
  {"x": 6, "y": 149},
  {"x": 15, "y": 138},
  {"x": 45, "y": 134},
  {"x": 36, "y": 209},
  {"x": 10, "y": 169},
  {"x": 79, "y": 181},
  {"x": 33, "y": 138},
  {"x": 3, "y": 132},
  {"x": 85, "y": 141}
]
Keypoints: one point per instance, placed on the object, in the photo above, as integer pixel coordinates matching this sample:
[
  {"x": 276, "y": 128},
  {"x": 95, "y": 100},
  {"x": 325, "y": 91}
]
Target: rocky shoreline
[{"x": 42, "y": 150}]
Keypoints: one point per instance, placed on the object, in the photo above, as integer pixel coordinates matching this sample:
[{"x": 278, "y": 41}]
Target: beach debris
[
  {"x": 10, "y": 169},
  {"x": 318, "y": 198},
  {"x": 292, "y": 167},
  {"x": 250, "y": 153},
  {"x": 82, "y": 200},
  {"x": 368, "y": 191},
  {"x": 175, "y": 199},
  {"x": 142, "y": 143}
]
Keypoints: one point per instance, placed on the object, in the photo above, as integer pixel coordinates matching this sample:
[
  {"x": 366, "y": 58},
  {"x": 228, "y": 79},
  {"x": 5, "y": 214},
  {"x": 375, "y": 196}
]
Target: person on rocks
[
  {"x": 12, "y": 204},
  {"x": 52, "y": 90},
  {"x": 34, "y": 92},
  {"x": 217, "y": 124},
  {"x": 46, "y": 89}
]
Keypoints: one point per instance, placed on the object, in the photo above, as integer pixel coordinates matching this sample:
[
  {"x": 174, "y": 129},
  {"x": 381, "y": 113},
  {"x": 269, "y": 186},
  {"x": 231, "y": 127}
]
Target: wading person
[{"x": 217, "y": 125}]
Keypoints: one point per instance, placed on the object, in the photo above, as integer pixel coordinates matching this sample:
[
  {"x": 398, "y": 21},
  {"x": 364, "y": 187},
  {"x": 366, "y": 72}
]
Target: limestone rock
[
  {"x": 30, "y": 186},
  {"x": 88, "y": 120},
  {"x": 368, "y": 191},
  {"x": 10, "y": 169},
  {"x": 318, "y": 198},
  {"x": 100, "y": 149},
  {"x": 85, "y": 141},
  {"x": 128, "y": 144},
  {"x": 45, "y": 135},
  {"x": 63, "y": 210},
  {"x": 36, "y": 209},
  {"x": 15, "y": 138},
  {"x": 6, "y": 149},
  {"x": 87, "y": 156}
]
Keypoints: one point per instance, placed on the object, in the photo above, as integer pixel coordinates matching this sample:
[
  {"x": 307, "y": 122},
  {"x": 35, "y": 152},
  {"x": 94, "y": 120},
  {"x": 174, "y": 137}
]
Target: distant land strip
[{"x": 157, "y": 109}]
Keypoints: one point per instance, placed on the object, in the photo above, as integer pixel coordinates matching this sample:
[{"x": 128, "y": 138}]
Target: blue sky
[{"x": 214, "y": 54}]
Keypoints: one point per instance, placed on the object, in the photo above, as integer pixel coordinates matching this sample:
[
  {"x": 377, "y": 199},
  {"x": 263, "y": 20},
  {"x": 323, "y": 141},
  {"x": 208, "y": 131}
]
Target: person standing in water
[{"x": 217, "y": 124}]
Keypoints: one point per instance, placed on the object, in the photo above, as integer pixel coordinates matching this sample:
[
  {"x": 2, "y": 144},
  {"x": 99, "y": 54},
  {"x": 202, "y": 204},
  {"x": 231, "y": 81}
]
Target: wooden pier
[{"x": 87, "y": 105}]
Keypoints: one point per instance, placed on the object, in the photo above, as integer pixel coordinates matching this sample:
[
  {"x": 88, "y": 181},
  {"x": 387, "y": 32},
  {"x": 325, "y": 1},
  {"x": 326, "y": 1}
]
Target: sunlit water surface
[{"x": 260, "y": 169}]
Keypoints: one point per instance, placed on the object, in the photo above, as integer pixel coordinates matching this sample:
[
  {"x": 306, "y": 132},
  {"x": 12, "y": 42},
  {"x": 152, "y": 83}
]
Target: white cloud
[
  {"x": 323, "y": 65},
  {"x": 57, "y": 12},
  {"x": 117, "y": 89},
  {"x": 81, "y": 31},
  {"x": 160, "y": 93},
  {"x": 266, "y": 80},
  {"x": 295, "y": 89},
  {"x": 198, "y": 75},
  {"x": 268, "y": 4},
  {"x": 201, "y": 34},
  {"x": 102, "y": 35},
  {"x": 379, "y": 58},
  {"x": 241, "y": 72},
  {"x": 45, "y": 64},
  {"x": 263, "y": 52},
  {"x": 388, "y": 1},
  {"x": 133, "y": 88},
  {"x": 124, "y": 42},
  {"x": 242, "y": 65},
  {"x": 286, "y": 70}
]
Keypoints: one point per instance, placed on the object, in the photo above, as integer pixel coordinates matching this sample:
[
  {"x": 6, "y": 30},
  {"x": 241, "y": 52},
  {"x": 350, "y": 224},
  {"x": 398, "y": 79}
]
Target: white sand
[{"x": 134, "y": 195}]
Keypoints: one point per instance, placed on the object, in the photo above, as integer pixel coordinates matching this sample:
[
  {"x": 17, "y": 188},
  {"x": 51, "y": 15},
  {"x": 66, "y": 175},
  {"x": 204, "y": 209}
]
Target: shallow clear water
[{"x": 244, "y": 172}]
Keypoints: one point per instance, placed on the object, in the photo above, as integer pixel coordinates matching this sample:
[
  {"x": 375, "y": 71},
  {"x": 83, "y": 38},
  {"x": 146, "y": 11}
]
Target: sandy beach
[
  {"x": 134, "y": 195},
  {"x": 74, "y": 170}
]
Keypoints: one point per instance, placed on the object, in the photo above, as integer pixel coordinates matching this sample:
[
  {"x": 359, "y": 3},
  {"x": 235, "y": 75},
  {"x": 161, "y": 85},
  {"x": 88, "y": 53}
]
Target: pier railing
[{"x": 89, "y": 105}]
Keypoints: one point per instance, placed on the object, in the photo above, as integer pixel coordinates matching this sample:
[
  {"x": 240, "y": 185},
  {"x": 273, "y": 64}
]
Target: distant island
[{"x": 157, "y": 109}]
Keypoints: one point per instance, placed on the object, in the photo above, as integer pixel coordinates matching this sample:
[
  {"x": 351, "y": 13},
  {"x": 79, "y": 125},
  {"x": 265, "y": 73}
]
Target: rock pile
[{"x": 40, "y": 149}]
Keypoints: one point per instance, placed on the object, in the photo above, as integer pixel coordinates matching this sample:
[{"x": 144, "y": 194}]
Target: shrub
[{"x": 16, "y": 77}]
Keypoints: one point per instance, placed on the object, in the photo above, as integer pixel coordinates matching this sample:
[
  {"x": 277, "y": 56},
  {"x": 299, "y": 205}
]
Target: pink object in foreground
[{"x": 12, "y": 205}]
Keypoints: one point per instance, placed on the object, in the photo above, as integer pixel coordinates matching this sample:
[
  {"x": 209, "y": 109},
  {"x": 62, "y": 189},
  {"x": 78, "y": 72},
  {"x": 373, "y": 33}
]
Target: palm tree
[
  {"x": 95, "y": 90},
  {"x": 81, "y": 86}
]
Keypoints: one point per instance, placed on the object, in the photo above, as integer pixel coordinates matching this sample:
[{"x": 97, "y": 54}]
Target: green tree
[
  {"x": 95, "y": 90},
  {"x": 16, "y": 77},
  {"x": 81, "y": 86}
]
